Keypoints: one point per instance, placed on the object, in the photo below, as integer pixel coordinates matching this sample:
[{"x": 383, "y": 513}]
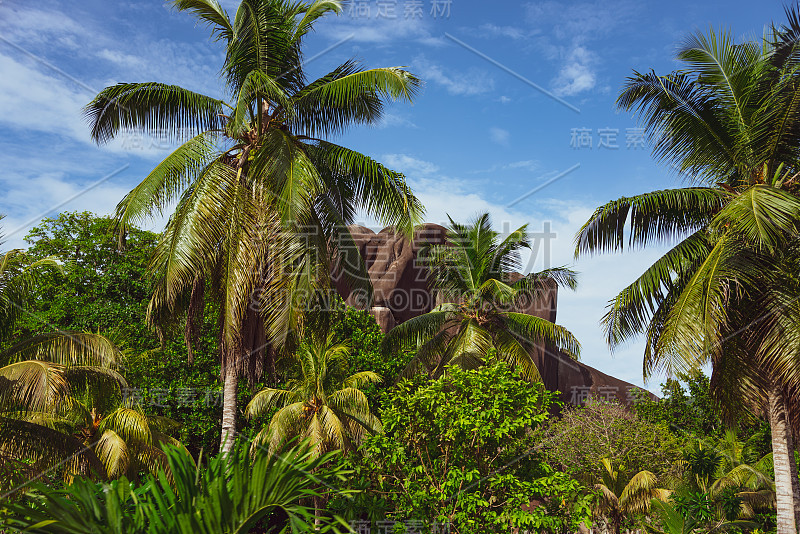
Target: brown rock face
[{"x": 401, "y": 291}]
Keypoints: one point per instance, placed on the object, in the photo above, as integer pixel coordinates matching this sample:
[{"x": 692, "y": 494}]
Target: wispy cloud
[
  {"x": 471, "y": 82},
  {"x": 569, "y": 34},
  {"x": 394, "y": 120},
  {"x": 409, "y": 165},
  {"x": 529, "y": 165},
  {"x": 577, "y": 74},
  {"x": 375, "y": 27},
  {"x": 568, "y": 21},
  {"x": 511, "y": 32},
  {"x": 499, "y": 135}
]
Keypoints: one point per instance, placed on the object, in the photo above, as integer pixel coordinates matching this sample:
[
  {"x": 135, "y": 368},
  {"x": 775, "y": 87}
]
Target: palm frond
[
  {"x": 210, "y": 12},
  {"x": 68, "y": 349},
  {"x": 658, "y": 216},
  {"x": 152, "y": 108},
  {"x": 532, "y": 329}
]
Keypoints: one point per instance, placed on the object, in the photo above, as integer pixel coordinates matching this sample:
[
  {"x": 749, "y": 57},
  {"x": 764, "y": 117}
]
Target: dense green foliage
[
  {"x": 103, "y": 287},
  {"x": 157, "y": 370},
  {"x": 689, "y": 410},
  {"x": 461, "y": 451},
  {"x": 443, "y": 424},
  {"x": 365, "y": 338}
]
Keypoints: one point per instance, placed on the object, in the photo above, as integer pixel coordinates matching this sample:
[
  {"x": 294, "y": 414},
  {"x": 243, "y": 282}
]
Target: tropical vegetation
[{"x": 209, "y": 378}]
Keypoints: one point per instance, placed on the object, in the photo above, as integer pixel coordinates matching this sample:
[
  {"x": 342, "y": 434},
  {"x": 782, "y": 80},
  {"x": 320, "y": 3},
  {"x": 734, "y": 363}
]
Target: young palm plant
[
  {"x": 262, "y": 196},
  {"x": 320, "y": 403},
  {"x": 731, "y": 122},
  {"x": 474, "y": 274},
  {"x": 623, "y": 497},
  {"x": 751, "y": 482}
]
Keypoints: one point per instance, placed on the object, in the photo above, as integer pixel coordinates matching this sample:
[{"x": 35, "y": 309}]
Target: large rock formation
[{"x": 401, "y": 291}]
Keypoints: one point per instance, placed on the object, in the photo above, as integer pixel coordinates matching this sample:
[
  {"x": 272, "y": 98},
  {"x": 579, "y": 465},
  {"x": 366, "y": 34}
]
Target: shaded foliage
[{"x": 583, "y": 436}]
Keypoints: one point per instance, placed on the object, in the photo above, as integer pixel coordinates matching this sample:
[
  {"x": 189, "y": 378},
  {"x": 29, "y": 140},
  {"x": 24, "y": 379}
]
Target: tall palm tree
[
  {"x": 731, "y": 122},
  {"x": 622, "y": 496},
  {"x": 474, "y": 275},
  {"x": 320, "y": 403},
  {"x": 263, "y": 199}
]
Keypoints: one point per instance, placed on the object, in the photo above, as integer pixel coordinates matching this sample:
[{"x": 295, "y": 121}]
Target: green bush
[{"x": 460, "y": 451}]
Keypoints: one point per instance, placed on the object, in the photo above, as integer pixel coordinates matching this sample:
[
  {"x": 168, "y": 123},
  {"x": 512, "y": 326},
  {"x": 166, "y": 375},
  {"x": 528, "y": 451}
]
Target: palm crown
[
  {"x": 256, "y": 167},
  {"x": 731, "y": 120},
  {"x": 320, "y": 403},
  {"x": 474, "y": 275}
]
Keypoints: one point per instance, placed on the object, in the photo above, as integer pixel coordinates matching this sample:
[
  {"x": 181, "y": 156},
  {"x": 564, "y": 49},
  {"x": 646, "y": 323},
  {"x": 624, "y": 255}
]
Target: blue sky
[{"x": 509, "y": 89}]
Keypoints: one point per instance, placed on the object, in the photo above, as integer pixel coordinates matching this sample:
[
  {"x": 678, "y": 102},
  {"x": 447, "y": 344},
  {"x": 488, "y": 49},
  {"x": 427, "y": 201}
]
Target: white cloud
[
  {"x": 577, "y": 74},
  {"x": 391, "y": 120},
  {"x": 511, "y": 32},
  {"x": 34, "y": 100},
  {"x": 371, "y": 28},
  {"x": 139, "y": 56},
  {"x": 504, "y": 100},
  {"x": 409, "y": 165},
  {"x": 530, "y": 165},
  {"x": 499, "y": 135},
  {"x": 568, "y": 34},
  {"x": 121, "y": 59},
  {"x": 26, "y": 24},
  {"x": 471, "y": 82},
  {"x": 32, "y": 196},
  {"x": 582, "y": 20}
]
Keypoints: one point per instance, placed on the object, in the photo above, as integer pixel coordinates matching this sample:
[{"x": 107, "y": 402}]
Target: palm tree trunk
[
  {"x": 229, "y": 389},
  {"x": 317, "y": 511},
  {"x": 794, "y": 474},
  {"x": 783, "y": 460}
]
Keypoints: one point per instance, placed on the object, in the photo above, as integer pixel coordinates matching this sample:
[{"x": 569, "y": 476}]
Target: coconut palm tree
[
  {"x": 55, "y": 410},
  {"x": 622, "y": 496},
  {"x": 320, "y": 403},
  {"x": 730, "y": 121},
  {"x": 474, "y": 275},
  {"x": 262, "y": 196}
]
